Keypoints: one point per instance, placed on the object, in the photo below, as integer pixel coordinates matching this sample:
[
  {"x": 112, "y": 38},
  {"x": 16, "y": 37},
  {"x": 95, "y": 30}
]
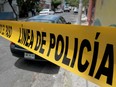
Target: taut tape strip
[{"x": 86, "y": 51}]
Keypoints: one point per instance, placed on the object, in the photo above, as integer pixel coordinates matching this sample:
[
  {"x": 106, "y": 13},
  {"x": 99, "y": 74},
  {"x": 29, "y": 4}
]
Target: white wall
[{"x": 7, "y": 7}]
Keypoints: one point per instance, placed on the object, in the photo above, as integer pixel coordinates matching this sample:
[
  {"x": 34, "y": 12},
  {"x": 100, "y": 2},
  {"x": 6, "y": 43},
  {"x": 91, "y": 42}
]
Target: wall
[
  {"x": 105, "y": 13},
  {"x": 7, "y": 10}
]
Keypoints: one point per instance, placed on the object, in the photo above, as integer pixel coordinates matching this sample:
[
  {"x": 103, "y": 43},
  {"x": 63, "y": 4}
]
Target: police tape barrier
[{"x": 86, "y": 51}]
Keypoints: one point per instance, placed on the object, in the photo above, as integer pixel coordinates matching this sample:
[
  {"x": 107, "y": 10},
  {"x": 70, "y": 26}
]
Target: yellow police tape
[{"x": 86, "y": 51}]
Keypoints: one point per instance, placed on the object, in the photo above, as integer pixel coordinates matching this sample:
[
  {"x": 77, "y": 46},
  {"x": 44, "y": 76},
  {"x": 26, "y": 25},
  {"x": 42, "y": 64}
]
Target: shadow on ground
[{"x": 37, "y": 66}]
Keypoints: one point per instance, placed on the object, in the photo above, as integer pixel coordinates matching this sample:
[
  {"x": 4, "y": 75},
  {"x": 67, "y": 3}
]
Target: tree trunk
[{"x": 79, "y": 12}]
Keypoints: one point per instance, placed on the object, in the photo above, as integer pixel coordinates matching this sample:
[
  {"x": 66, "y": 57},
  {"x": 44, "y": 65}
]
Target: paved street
[
  {"x": 16, "y": 72},
  {"x": 69, "y": 16}
]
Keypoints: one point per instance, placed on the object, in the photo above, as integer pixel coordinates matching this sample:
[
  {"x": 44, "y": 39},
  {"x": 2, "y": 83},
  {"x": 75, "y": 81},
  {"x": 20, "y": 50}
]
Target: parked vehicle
[
  {"x": 59, "y": 10},
  {"x": 75, "y": 10},
  {"x": 70, "y": 7},
  {"x": 66, "y": 9},
  {"x": 20, "y": 52},
  {"x": 46, "y": 12},
  {"x": 83, "y": 18}
]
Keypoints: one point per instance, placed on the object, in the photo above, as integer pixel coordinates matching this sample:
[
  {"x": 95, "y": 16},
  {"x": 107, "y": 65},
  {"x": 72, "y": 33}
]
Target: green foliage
[
  {"x": 76, "y": 2},
  {"x": 55, "y": 3},
  {"x": 26, "y": 5},
  {"x": 72, "y": 2},
  {"x": 85, "y": 2}
]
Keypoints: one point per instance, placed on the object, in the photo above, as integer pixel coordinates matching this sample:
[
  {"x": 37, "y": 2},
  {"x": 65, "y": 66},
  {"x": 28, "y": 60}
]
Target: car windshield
[{"x": 41, "y": 20}]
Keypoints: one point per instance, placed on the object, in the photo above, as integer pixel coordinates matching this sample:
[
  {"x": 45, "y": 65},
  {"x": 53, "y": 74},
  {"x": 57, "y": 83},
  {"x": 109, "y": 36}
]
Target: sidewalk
[{"x": 82, "y": 23}]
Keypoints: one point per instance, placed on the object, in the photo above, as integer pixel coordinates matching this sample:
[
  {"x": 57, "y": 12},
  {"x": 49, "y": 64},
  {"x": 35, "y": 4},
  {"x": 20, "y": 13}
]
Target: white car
[
  {"x": 46, "y": 12},
  {"x": 75, "y": 10},
  {"x": 59, "y": 10},
  {"x": 70, "y": 7},
  {"x": 83, "y": 18},
  {"x": 66, "y": 9}
]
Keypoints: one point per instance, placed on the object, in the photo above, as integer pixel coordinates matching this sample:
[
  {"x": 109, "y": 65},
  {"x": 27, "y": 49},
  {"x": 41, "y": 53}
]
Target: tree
[
  {"x": 76, "y": 2},
  {"x": 10, "y": 1},
  {"x": 85, "y": 3},
  {"x": 55, "y": 4},
  {"x": 72, "y": 2},
  {"x": 80, "y": 12},
  {"x": 27, "y": 5},
  {"x": 82, "y": 3}
]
